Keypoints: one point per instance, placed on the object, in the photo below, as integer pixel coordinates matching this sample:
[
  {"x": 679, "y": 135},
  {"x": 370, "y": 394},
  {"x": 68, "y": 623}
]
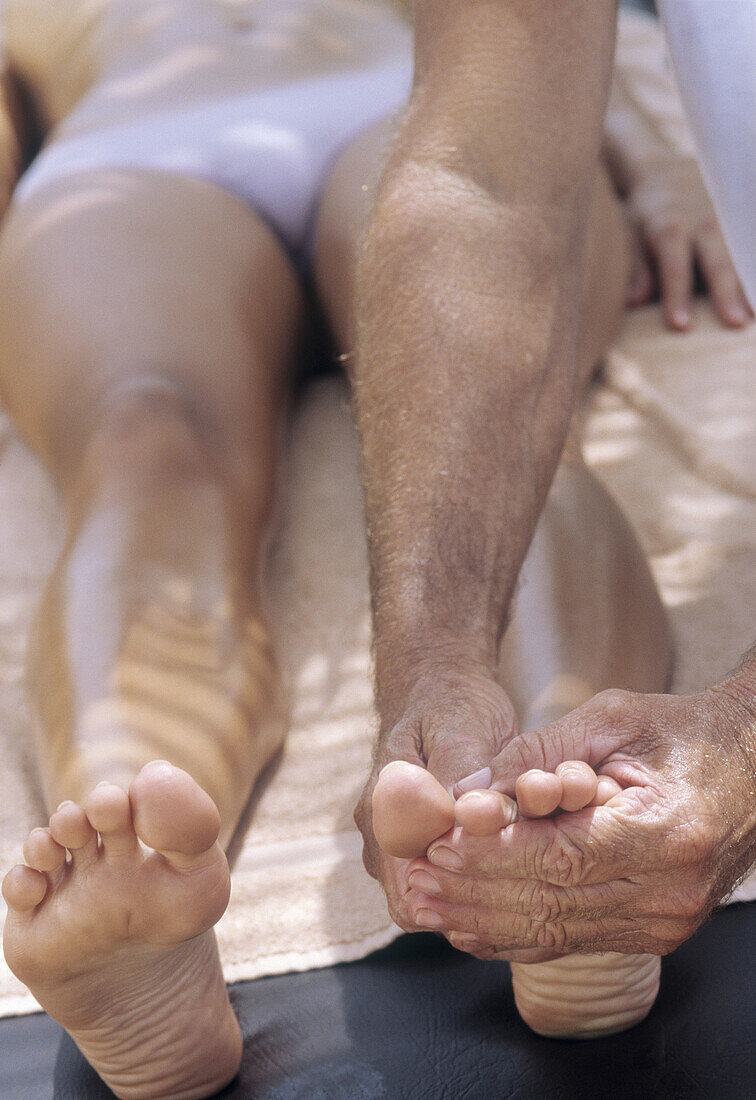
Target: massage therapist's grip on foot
[
  {"x": 467, "y": 298},
  {"x": 466, "y": 316},
  {"x": 638, "y": 875}
]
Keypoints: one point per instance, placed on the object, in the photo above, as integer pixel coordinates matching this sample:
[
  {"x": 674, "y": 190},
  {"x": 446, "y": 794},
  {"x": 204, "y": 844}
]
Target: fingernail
[
  {"x": 478, "y": 781},
  {"x": 421, "y": 880},
  {"x": 62, "y": 805},
  {"x": 681, "y": 318},
  {"x": 426, "y": 918},
  {"x": 445, "y": 858}
]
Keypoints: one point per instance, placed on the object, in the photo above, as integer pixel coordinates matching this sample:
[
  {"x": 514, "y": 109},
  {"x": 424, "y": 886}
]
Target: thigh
[{"x": 116, "y": 278}]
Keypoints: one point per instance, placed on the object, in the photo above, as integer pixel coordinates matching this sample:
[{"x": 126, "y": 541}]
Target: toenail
[
  {"x": 446, "y": 858},
  {"x": 478, "y": 781},
  {"x": 426, "y": 918},
  {"x": 421, "y": 880}
]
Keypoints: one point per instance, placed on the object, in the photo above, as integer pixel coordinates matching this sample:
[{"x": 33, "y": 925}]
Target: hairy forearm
[
  {"x": 463, "y": 384},
  {"x": 467, "y": 321}
]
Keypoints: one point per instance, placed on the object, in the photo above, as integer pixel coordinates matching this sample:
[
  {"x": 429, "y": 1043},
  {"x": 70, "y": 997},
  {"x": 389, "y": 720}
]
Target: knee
[{"x": 150, "y": 431}]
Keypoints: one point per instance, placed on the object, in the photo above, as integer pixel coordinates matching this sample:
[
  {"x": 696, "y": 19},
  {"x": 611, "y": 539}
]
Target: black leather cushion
[{"x": 419, "y": 1021}]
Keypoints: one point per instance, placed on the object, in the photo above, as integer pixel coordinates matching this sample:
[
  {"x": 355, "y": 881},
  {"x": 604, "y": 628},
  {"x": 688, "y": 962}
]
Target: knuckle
[
  {"x": 614, "y": 703},
  {"x": 689, "y": 905},
  {"x": 478, "y": 924},
  {"x": 562, "y": 861},
  {"x": 549, "y": 936},
  {"x": 545, "y": 907},
  {"x": 472, "y": 892}
]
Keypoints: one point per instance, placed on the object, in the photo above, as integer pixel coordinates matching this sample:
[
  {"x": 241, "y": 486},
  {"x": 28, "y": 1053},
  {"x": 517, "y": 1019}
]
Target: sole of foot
[
  {"x": 110, "y": 924},
  {"x": 579, "y": 996}
]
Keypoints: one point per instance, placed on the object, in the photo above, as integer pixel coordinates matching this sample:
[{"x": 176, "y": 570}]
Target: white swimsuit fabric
[{"x": 257, "y": 97}]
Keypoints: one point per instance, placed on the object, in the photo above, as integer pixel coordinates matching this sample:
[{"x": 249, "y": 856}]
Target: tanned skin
[{"x": 467, "y": 328}]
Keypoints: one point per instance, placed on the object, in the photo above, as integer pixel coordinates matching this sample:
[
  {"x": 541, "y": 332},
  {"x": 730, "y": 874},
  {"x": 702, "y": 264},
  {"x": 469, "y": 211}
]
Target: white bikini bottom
[{"x": 273, "y": 144}]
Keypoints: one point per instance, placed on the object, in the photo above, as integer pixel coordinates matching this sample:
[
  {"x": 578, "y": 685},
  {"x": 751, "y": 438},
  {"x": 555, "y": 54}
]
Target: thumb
[
  {"x": 464, "y": 736},
  {"x": 604, "y": 724}
]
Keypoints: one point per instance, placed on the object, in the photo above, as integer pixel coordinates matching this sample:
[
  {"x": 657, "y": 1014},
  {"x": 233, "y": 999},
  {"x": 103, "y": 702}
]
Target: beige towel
[{"x": 670, "y": 431}]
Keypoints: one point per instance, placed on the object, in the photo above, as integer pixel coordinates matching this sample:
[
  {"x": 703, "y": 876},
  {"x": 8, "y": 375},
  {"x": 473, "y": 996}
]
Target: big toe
[
  {"x": 410, "y": 810},
  {"x": 171, "y": 812}
]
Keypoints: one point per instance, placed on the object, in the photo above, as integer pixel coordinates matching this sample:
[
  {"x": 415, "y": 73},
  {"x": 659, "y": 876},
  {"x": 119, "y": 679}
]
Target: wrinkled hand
[
  {"x": 676, "y": 225},
  {"x": 637, "y": 875},
  {"x": 454, "y": 724}
]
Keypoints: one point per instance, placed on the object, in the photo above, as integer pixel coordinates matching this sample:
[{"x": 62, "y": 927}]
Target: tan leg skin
[
  {"x": 149, "y": 329},
  {"x": 586, "y": 616}
]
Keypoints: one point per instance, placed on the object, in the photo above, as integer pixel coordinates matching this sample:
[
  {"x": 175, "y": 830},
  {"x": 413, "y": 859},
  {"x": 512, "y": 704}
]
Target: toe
[
  {"x": 42, "y": 853},
  {"x": 24, "y": 888},
  {"x": 171, "y": 812},
  {"x": 606, "y": 788},
  {"x": 70, "y": 827},
  {"x": 410, "y": 809},
  {"x": 109, "y": 812},
  {"x": 578, "y": 784},
  {"x": 538, "y": 793},
  {"x": 482, "y": 813}
]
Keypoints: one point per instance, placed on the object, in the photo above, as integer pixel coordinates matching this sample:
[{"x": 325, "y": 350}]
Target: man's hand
[
  {"x": 676, "y": 226},
  {"x": 455, "y": 723},
  {"x": 637, "y": 875}
]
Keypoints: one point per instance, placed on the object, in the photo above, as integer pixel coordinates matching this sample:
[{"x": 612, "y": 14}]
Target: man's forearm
[{"x": 467, "y": 317}]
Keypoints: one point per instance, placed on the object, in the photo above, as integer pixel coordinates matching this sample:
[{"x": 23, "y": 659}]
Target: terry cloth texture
[{"x": 669, "y": 430}]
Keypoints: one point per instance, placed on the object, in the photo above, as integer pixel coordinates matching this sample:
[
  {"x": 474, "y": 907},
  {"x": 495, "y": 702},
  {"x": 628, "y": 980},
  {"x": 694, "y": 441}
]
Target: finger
[
  {"x": 465, "y": 734},
  {"x": 641, "y": 283},
  {"x": 592, "y": 846},
  {"x": 609, "y": 722},
  {"x": 674, "y": 257},
  {"x": 538, "y": 900},
  {"x": 491, "y": 952},
  {"x": 512, "y": 930},
  {"x": 729, "y": 301}
]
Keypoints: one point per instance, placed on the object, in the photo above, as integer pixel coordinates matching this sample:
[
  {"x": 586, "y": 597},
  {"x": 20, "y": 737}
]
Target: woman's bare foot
[
  {"x": 579, "y": 996},
  {"x": 116, "y": 942}
]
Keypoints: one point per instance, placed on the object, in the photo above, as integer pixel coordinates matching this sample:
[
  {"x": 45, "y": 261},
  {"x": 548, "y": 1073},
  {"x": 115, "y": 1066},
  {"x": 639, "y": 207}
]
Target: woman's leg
[
  {"x": 586, "y": 615},
  {"x": 146, "y": 346},
  {"x": 147, "y": 338}
]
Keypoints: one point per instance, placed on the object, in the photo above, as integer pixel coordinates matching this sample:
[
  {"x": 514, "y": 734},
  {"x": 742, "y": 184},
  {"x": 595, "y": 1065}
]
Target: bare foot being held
[
  {"x": 580, "y": 996},
  {"x": 577, "y": 996},
  {"x": 116, "y": 942}
]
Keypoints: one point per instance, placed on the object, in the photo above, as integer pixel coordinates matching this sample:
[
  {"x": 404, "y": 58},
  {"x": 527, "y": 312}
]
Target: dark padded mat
[{"x": 418, "y": 1021}]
